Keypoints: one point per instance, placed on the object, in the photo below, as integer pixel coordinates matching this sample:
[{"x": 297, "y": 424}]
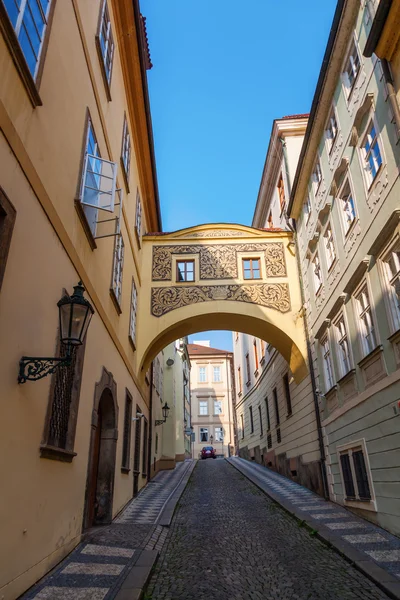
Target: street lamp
[
  {"x": 75, "y": 313},
  {"x": 165, "y": 412}
]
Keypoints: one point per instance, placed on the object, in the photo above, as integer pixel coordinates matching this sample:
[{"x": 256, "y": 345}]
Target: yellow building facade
[{"x": 75, "y": 149}]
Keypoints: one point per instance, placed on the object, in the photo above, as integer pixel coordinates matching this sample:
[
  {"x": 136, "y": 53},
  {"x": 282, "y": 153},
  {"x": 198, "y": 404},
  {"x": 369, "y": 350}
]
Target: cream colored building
[
  {"x": 212, "y": 398},
  {"x": 75, "y": 149}
]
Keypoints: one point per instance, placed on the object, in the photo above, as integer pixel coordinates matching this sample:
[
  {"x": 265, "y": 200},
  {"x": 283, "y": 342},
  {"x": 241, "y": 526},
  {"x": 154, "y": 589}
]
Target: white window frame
[
  {"x": 126, "y": 150},
  {"x": 329, "y": 376},
  {"x": 106, "y": 42},
  {"x": 316, "y": 268},
  {"x": 218, "y": 378},
  {"x": 329, "y": 246},
  {"x": 316, "y": 176},
  {"x": 217, "y": 403},
  {"x": 367, "y": 155},
  {"x": 389, "y": 280},
  {"x": 218, "y": 434},
  {"x": 307, "y": 208},
  {"x": 350, "y": 66},
  {"x": 347, "y": 208},
  {"x": 118, "y": 267},
  {"x": 349, "y": 448},
  {"x": 203, "y": 432},
  {"x": 200, "y": 379},
  {"x": 133, "y": 313},
  {"x": 203, "y": 408},
  {"x": 343, "y": 350},
  {"x": 138, "y": 217},
  {"x": 331, "y": 132},
  {"x": 366, "y": 319}
]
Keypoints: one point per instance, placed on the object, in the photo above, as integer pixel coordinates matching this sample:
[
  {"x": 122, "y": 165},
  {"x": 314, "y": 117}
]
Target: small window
[
  {"x": 251, "y": 268},
  {"x": 7, "y": 221},
  {"x": 216, "y": 374},
  {"x": 327, "y": 363},
  {"x": 267, "y": 411},
  {"x": 286, "y": 388},
  {"x": 118, "y": 268},
  {"x": 365, "y": 320},
  {"x": 371, "y": 154},
  {"x": 248, "y": 369},
  {"x": 239, "y": 380},
  {"x": 347, "y": 207},
  {"x": 138, "y": 222},
  {"x": 217, "y": 407},
  {"x": 203, "y": 434},
  {"x": 281, "y": 193},
  {"x": 203, "y": 408},
  {"x": 351, "y": 70},
  {"x": 132, "y": 320},
  {"x": 242, "y": 424},
  {"x": 219, "y": 434},
  {"x": 355, "y": 475},
  {"x": 342, "y": 346},
  {"x": 105, "y": 45},
  {"x": 331, "y": 131},
  {"x": 307, "y": 209},
  {"x": 126, "y": 444},
  {"x": 329, "y": 246},
  {"x": 126, "y": 151},
  {"x": 202, "y": 375},
  {"x": 316, "y": 177},
  {"x": 185, "y": 270},
  {"x": 251, "y": 419},
  {"x": 255, "y": 354},
  {"x": 260, "y": 419},
  {"x": 277, "y": 417},
  {"x": 317, "y": 274},
  {"x": 391, "y": 268},
  {"x": 270, "y": 221}
]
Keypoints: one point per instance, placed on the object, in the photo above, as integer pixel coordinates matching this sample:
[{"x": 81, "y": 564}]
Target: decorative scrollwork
[
  {"x": 271, "y": 295},
  {"x": 32, "y": 368},
  {"x": 219, "y": 261},
  {"x": 213, "y": 233}
]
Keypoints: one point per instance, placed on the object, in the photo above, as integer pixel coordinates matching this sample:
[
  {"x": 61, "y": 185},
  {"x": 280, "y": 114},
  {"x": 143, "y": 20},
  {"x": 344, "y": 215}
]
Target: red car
[{"x": 208, "y": 452}]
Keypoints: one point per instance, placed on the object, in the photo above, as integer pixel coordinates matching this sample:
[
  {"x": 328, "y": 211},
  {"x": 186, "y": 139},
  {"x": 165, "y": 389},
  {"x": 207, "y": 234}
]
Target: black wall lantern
[
  {"x": 75, "y": 313},
  {"x": 165, "y": 412}
]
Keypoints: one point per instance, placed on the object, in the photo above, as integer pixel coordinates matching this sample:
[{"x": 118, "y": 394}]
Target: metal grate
[
  {"x": 61, "y": 405},
  {"x": 278, "y": 436},
  {"x": 269, "y": 440}
]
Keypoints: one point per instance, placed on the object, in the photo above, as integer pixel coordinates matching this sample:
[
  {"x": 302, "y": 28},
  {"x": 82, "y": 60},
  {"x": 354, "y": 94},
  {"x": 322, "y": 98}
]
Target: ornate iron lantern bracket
[{"x": 32, "y": 368}]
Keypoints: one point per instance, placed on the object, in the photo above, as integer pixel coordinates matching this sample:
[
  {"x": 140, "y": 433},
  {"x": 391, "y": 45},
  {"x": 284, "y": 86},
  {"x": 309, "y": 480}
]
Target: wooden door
[{"x": 95, "y": 471}]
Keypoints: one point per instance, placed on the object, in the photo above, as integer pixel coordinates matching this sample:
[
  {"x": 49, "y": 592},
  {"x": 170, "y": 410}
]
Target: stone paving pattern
[{"x": 229, "y": 541}]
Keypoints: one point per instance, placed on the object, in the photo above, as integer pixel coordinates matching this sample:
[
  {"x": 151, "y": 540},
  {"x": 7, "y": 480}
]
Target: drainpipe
[
  {"x": 392, "y": 94},
  {"x": 149, "y": 457},
  {"x": 309, "y": 354}
]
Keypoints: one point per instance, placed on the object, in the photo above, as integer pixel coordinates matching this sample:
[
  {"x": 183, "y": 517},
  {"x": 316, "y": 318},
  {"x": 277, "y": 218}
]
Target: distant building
[{"x": 212, "y": 395}]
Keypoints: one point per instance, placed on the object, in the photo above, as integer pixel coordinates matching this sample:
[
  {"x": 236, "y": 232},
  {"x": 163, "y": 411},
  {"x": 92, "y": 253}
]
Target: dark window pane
[
  {"x": 31, "y": 31},
  {"x": 12, "y": 8},
  {"x": 27, "y": 50},
  {"x": 361, "y": 475},
  {"x": 181, "y": 271},
  {"x": 37, "y": 17},
  {"x": 347, "y": 476}
]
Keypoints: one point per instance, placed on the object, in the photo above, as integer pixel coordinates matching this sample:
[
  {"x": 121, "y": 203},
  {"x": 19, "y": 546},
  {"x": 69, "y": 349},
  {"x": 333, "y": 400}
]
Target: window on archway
[
  {"x": 185, "y": 270},
  {"x": 251, "y": 268}
]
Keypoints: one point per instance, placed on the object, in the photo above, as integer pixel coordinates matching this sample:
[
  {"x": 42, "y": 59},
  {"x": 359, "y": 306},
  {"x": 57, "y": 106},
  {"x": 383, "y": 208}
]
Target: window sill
[
  {"x": 370, "y": 186},
  {"x": 139, "y": 243},
  {"x": 345, "y": 377},
  {"x": 262, "y": 360},
  {"x": 53, "y": 453},
  {"x": 218, "y": 415},
  {"x": 394, "y": 337},
  {"x": 85, "y": 224},
  {"x": 125, "y": 470},
  {"x": 115, "y": 301},
  {"x": 377, "y": 350},
  {"x": 361, "y": 504},
  {"x": 334, "y": 263},
  {"x": 133, "y": 345},
  {"x": 289, "y": 415},
  {"x": 199, "y": 416},
  {"x": 17, "y": 55},
  {"x": 256, "y": 373},
  {"x": 144, "y": 474},
  {"x": 248, "y": 383},
  {"x": 240, "y": 394}
]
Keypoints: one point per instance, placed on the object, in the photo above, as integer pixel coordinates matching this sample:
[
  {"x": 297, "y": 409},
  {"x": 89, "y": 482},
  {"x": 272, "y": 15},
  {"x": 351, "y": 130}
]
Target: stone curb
[
  {"x": 382, "y": 579},
  {"x": 168, "y": 511}
]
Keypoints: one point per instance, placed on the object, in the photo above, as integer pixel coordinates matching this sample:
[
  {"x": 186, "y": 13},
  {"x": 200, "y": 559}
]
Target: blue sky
[{"x": 223, "y": 71}]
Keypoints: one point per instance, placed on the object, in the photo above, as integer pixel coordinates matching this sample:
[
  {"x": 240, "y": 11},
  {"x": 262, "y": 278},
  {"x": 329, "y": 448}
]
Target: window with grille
[
  {"x": 329, "y": 246},
  {"x": 347, "y": 207},
  {"x": 275, "y": 395},
  {"x": 202, "y": 375},
  {"x": 351, "y": 70},
  {"x": 132, "y": 317},
  {"x": 203, "y": 407},
  {"x": 118, "y": 268},
  {"x": 307, "y": 209},
  {"x": 185, "y": 270},
  {"x": 217, "y": 407},
  {"x": 327, "y": 363},
  {"x": 219, "y": 434},
  {"x": 216, "y": 374},
  {"x": 242, "y": 424},
  {"x": 317, "y": 273},
  {"x": 278, "y": 435},
  {"x": 391, "y": 268},
  {"x": 269, "y": 441},
  {"x": 126, "y": 443},
  {"x": 138, "y": 221},
  {"x": 105, "y": 44},
  {"x": 355, "y": 474},
  {"x": 281, "y": 192},
  {"x": 145, "y": 447},
  {"x": 251, "y": 268},
  {"x": 365, "y": 320},
  {"x": 251, "y": 419},
  {"x": 126, "y": 151},
  {"x": 248, "y": 368},
  {"x": 286, "y": 388},
  {"x": 342, "y": 346},
  {"x": 316, "y": 176},
  {"x": 268, "y": 416},
  {"x": 203, "y": 434},
  {"x": 371, "y": 153},
  {"x": 29, "y": 19},
  {"x": 260, "y": 419},
  {"x": 331, "y": 131}
]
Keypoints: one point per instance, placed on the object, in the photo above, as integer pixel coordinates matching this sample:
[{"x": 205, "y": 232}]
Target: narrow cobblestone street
[{"x": 228, "y": 540}]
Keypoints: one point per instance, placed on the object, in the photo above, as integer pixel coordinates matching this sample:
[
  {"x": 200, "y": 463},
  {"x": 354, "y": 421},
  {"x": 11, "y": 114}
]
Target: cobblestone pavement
[
  {"x": 97, "y": 567},
  {"x": 229, "y": 541}
]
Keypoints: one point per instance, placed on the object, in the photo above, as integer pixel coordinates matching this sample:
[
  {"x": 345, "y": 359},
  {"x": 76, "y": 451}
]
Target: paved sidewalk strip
[
  {"x": 371, "y": 548},
  {"x": 115, "y": 561}
]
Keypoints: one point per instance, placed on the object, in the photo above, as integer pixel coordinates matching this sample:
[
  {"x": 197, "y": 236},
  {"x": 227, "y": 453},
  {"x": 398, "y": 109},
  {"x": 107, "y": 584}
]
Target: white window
[
  {"x": 329, "y": 246},
  {"x": 317, "y": 275},
  {"x": 347, "y": 207},
  {"x": 219, "y": 434},
  {"x": 106, "y": 42},
  {"x": 351, "y": 69},
  {"x": 316, "y": 176},
  {"x": 355, "y": 474},
  {"x": 216, "y": 374},
  {"x": 118, "y": 267},
  {"x": 342, "y": 346},
  {"x": 203, "y": 407},
  {"x": 331, "y": 131},
  {"x": 307, "y": 209},
  {"x": 138, "y": 223},
  {"x": 391, "y": 266},
  {"x": 126, "y": 149},
  {"x": 132, "y": 319},
  {"x": 328, "y": 371},
  {"x": 371, "y": 154},
  {"x": 203, "y": 434},
  {"x": 29, "y": 19},
  {"x": 365, "y": 320},
  {"x": 202, "y": 374},
  {"x": 217, "y": 407}
]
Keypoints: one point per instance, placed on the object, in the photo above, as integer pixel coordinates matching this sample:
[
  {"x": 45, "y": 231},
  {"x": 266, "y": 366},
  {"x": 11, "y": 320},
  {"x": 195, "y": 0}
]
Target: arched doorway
[{"x": 102, "y": 454}]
